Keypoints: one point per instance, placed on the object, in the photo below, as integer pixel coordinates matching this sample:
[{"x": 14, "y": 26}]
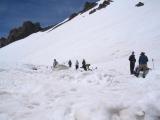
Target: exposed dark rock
[
  {"x": 2, "y": 42},
  {"x": 88, "y": 6},
  {"x": 47, "y": 28},
  {"x": 139, "y": 4},
  {"x": 104, "y": 4},
  {"x": 24, "y": 31},
  {"x": 19, "y": 33},
  {"x": 73, "y": 15},
  {"x": 92, "y": 11},
  {"x": 58, "y": 25}
]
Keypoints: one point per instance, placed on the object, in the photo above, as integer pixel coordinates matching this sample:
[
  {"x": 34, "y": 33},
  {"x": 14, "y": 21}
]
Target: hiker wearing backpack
[{"x": 132, "y": 60}]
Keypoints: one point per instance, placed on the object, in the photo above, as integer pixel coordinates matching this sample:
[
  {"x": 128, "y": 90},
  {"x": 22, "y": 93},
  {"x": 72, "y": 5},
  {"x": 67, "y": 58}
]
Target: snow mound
[{"x": 61, "y": 67}]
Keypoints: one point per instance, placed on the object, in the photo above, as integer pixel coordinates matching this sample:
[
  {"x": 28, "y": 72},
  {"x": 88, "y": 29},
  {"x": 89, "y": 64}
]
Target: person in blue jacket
[{"x": 143, "y": 59}]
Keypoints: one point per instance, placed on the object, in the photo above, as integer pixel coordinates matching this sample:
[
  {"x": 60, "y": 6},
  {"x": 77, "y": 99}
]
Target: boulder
[{"x": 139, "y": 4}]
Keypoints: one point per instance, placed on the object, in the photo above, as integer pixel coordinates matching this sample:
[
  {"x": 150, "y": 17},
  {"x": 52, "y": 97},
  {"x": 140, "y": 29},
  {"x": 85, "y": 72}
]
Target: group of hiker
[
  {"x": 84, "y": 65},
  {"x": 76, "y": 64},
  {"x": 143, "y": 59}
]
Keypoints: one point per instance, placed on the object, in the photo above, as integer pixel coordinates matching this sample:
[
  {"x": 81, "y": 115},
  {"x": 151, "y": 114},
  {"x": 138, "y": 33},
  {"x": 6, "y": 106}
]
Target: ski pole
[{"x": 153, "y": 63}]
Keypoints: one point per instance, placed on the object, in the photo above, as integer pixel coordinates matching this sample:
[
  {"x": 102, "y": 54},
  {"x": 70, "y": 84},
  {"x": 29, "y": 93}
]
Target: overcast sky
[{"x": 48, "y": 12}]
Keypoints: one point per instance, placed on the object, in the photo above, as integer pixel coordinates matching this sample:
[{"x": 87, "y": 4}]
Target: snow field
[
  {"x": 77, "y": 95},
  {"x": 105, "y": 39}
]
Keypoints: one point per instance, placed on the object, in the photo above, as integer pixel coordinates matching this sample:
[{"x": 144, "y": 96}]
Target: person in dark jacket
[
  {"x": 70, "y": 63},
  {"x": 143, "y": 59},
  {"x": 132, "y": 60},
  {"x": 84, "y": 65},
  {"x": 77, "y": 64},
  {"x": 55, "y": 63}
]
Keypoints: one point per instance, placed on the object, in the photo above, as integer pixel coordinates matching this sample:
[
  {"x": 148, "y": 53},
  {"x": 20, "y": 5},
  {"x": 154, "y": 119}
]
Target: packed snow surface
[
  {"x": 31, "y": 90},
  {"x": 46, "y": 94}
]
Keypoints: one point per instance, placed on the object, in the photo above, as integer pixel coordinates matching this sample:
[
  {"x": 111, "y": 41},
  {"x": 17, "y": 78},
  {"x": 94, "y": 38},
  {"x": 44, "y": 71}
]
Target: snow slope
[
  {"x": 105, "y": 39},
  {"x": 118, "y": 29}
]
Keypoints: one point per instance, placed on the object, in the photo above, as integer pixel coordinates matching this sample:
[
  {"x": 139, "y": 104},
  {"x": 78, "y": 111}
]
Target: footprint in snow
[
  {"x": 2, "y": 70},
  {"x": 30, "y": 107},
  {"x": 73, "y": 89}
]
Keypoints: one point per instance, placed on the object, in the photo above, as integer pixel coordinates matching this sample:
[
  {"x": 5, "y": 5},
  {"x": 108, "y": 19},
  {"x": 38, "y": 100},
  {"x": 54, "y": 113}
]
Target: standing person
[
  {"x": 77, "y": 64},
  {"x": 132, "y": 60},
  {"x": 84, "y": 65},
  {"x": 70, "y": 63},
  {"x": 143, "y": 59},
  {"x": 55, "y": 63}
]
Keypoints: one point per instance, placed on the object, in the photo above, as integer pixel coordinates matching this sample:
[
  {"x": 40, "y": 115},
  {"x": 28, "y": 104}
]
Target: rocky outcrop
[
  {"x": 2, "y": 42},
  {"x": 24, "y": 31},
  {"x": 102, "y": 5},
  {"x": 88, "y": 6},
  {"x": 73, "y": 15},
  {"x": 92, "y": 11},
  {"x": 19, "y": 33}
]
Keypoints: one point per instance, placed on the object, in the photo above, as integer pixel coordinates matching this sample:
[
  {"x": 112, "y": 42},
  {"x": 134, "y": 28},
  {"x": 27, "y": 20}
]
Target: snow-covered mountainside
[
  {"x": 111, "y": 32},
  {"x": 105, "y": 39}
]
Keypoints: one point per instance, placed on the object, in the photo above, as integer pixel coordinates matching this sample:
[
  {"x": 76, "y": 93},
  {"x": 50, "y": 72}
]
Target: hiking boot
[{"x": 143, "y": 76}]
